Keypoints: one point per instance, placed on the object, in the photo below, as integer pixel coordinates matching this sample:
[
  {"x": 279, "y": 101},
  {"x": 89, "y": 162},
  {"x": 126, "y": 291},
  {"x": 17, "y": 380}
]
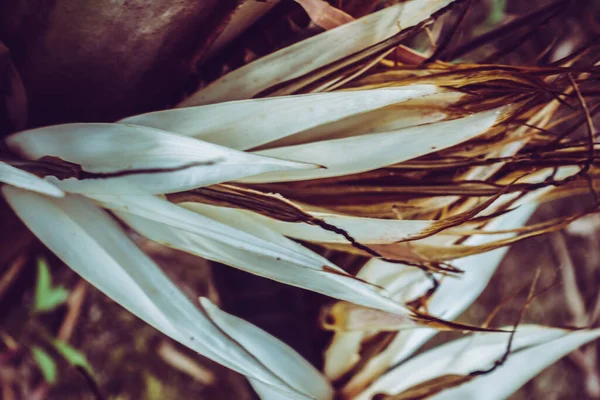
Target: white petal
[
  {"x": 25, "y": 180},
  {"x": 246, "y": 124},
  {"x": 534, "y": 348},
  {"x": 145, "y": 160},
  {"x": 364, "y": 153},
  {"x": 307, "y": 56},
  {"x": 93, "y": 244},
  {"x": 274, "y": 354},
  {"x": 310, "y": 275}
]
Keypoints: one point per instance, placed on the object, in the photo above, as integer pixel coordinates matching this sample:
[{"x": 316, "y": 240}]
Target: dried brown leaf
[{"x": 324, "y": 14}]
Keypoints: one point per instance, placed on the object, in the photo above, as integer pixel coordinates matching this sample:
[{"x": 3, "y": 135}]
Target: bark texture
[{"x": 103, "y": 60}]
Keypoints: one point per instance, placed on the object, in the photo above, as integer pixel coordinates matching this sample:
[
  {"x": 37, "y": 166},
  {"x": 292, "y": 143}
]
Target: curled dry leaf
[
  {"x": 347, "y": 317},
  {"x": 444, "y": 167},
  {"x": 311, "y": 54},
  {"x": 452, "y": 297},
  {"x": 534, "y": 348},
  {"x": 291, "y": 220},
  {"x": 328, "y": 17},
  {"x": 324, "y": 14}
]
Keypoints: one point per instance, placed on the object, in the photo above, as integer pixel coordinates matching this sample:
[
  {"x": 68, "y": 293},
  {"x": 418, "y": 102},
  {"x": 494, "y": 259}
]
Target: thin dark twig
[
  {"x": 591, "y": 131},
  {"x": 573, "y": 297},
  {"x": 447, "y": 38},
  {"x": 502, "y": 360},
  {"x": 521, "y": 40},
  {"x": 556, "y": 142}
]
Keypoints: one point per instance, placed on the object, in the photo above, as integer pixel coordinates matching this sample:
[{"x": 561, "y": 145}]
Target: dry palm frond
[
  {"x": 428, "y": 170},
  {"x": 535, "y": 347}
]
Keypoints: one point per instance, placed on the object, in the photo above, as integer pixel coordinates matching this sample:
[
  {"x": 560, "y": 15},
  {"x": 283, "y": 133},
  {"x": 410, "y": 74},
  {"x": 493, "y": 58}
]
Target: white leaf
[
  {"x": 94, "y": 245},
  {"x": 419, "y": 111},
  {"x": 310, "y": 54},
  {"x": 170, "y": 214},
  {"x": 246, "y": 124},
  {"x": 311, "y": 275},
  {"x": 520, "y": 368},
  {"x": 363, "y": 230},
  {"x": 245, "y": 222},
  {"x": 338, "y": 284},
  {"x": 478, "y": 269},
  {"x": 342, "y": 353},
  {"x": 368, "y": 152},
  {"x": 266, "y": 392},
  {"x": 404, "y": 283},
  {"x": 25, "y": 180},
  {"x": 453, "y": 296},
  {"x": 139, "y": 159},
  {"x": 274, "y": 354},
  {"x": 534, "y": 348}
]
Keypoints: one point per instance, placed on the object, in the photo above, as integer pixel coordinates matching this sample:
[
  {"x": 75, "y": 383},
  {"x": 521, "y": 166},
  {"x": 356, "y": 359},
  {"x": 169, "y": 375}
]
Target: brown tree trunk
[{"x": 103, "y": 60}]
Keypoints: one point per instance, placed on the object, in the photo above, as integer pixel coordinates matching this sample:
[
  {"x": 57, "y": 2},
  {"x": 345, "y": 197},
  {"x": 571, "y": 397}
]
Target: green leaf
[
  {"x": 47, "y": 297},
  {"x": 497, "y": 12},
  {"x": 46, "y": 363},
  {"x": 72, "y": 355},
  {"x": 154, "y": 388}
]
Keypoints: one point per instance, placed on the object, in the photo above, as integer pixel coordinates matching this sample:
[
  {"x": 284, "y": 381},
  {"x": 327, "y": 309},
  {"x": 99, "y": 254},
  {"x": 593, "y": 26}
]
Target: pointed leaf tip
[
  {"x": 25, "y": 180},
  {"x": 122, "y": 158}
]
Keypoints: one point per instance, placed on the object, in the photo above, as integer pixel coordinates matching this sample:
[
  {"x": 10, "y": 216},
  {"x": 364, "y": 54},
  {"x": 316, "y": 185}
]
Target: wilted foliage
[{"x": 419, "y": 167}]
